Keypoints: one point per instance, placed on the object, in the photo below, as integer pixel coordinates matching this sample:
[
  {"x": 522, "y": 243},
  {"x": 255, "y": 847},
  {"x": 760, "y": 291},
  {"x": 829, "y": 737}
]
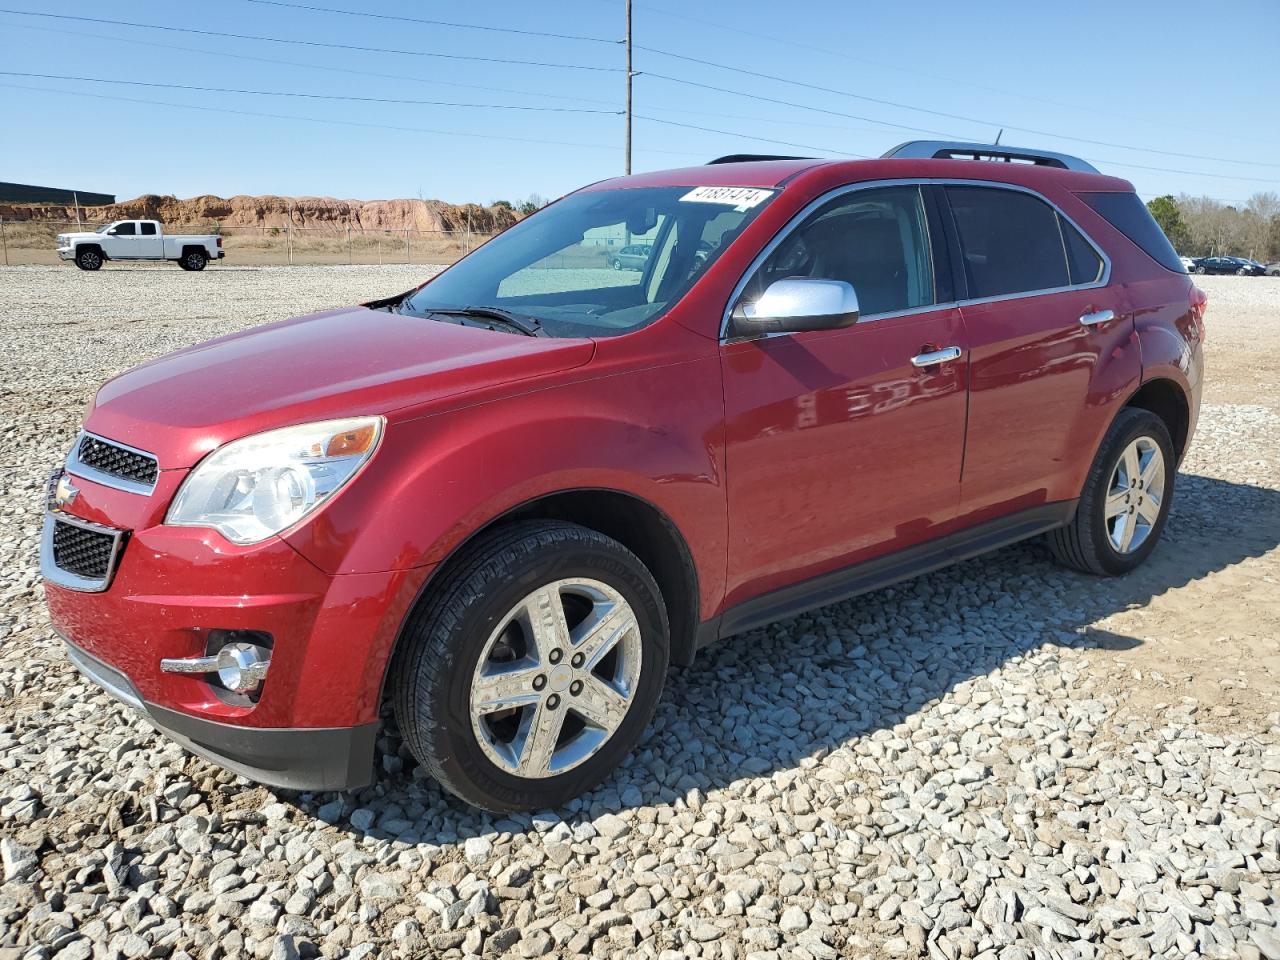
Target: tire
[
  {"x": 615, "y": 263},
  {"x": 1201, "y": 270},
  {"x": 89, "y": 259},
  {"x": 1088, "y": 542},
  {"x": 193, "y": 259},
  {"x": 448, "y": 640},
  {"x": 1242, "y": 272}
]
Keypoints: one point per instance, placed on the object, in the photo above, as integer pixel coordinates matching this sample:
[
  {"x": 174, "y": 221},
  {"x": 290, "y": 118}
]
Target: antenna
[{"x": 998, "y": 136}]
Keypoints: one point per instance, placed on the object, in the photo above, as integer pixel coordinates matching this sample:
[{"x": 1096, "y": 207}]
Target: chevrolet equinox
[{"x": 506, "y": 501}]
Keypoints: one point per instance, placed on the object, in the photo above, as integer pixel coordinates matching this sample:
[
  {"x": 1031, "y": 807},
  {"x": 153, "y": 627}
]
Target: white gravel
[{"x": 989, "y": 762}]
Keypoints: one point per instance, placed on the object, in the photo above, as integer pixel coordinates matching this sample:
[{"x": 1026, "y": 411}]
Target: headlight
[{"x": 258, "y": 486}]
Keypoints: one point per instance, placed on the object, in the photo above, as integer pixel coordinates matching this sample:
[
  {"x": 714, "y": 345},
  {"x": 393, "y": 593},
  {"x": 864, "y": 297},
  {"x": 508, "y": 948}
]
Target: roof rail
[
  {"x": 947, "y": 150},
  {"x": 751, "y": 157}
]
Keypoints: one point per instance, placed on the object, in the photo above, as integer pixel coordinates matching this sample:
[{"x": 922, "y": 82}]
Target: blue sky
[{"x": 1159, "y": 76}]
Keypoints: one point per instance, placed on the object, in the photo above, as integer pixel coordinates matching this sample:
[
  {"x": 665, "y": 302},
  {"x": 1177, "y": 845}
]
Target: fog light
[{"x": 242, "y": 666}]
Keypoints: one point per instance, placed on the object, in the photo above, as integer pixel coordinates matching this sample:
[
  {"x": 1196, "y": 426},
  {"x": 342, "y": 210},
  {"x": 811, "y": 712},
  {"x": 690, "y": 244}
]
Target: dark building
[{"x": 26, "y": 193}]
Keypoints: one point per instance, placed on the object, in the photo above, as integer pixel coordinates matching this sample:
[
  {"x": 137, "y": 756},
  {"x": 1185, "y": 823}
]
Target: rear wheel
[
  {"x": 616, "y": 263},
  {"x": 193, "y": 259},
  {"x": 1126, "y": 499},
  {"x": 530, "y": 671},
  {"x": 89, "y": 259}
]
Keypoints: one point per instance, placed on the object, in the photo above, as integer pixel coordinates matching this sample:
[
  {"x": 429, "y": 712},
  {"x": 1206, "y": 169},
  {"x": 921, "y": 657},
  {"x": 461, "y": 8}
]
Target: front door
[
  {"x": 121, "y": 241},
  {"x": 839, "y": 447}
]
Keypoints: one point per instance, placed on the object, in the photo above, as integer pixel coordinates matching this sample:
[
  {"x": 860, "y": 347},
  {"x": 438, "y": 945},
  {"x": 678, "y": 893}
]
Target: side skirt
[{"x": 883, "y": 571}]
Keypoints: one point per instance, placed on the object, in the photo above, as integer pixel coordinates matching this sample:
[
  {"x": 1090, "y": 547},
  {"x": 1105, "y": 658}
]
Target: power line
[
  {"x": 433, "y": 23},
  {"x": 316, "y": 43},
  {"x": 331, "y": 121},
  {"x": 309, "y": 96},
  {"x": 275, "y": 61},
  {"x": 889, "y": 65},
  {"x": 797, "y": 105},
  {"x": 750, "y": 136},
  {"x": 950, "y": 116}
]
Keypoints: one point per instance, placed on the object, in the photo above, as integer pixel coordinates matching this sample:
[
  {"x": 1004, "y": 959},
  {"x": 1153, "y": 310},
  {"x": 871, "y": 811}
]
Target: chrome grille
[{"x": 133, "y": 467}]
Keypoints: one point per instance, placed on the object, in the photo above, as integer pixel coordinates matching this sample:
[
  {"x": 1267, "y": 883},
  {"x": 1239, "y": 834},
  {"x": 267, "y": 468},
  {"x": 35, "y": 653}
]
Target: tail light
[
  {"x": 219, "y": 241},
  {"x": 1199, "y": 301}
]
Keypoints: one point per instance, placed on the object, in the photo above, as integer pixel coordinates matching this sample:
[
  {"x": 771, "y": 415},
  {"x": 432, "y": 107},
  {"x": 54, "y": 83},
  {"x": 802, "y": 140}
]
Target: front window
[{"x": 559, "y": 267}]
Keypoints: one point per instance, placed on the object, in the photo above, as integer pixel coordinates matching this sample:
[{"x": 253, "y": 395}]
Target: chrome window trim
[
  {"x": 50, "y": 570},
  {"x": 832, "y": 194},
  {"x": 77, "y": 466}
]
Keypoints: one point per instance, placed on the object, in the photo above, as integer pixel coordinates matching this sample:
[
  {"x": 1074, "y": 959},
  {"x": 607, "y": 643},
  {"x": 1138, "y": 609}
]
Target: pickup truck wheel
[
  {"x": 88, "y": 259},
  {"x": 193, "y": 260},
  {"x": 529, "y": 672},
  {"x": 1126, "y": 499}
]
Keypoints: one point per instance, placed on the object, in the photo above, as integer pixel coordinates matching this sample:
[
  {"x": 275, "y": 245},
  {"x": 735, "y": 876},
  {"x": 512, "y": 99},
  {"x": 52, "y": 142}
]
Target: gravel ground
[{"x": 1001, "y": 760}]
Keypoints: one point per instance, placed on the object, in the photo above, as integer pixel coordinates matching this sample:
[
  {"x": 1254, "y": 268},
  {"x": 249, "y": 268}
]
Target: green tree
[
  {"x": 505, "y": 204},
  {"x": 1166, "y": 213}
]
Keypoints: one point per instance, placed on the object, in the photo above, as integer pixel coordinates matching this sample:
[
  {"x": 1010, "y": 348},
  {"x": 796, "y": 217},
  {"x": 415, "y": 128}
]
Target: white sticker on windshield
[{"x": 740, "y": 198}]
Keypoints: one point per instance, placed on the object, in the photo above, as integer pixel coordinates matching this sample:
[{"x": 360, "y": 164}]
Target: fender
[{"x": 439, "y": 478}]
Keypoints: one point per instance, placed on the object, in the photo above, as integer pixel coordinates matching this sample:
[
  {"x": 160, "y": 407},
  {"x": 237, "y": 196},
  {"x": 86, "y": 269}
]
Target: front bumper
[
  {"x": 314, "y": 720},
  {"x": 66, "y": 253},
  {"x": 333, "y": 758}
]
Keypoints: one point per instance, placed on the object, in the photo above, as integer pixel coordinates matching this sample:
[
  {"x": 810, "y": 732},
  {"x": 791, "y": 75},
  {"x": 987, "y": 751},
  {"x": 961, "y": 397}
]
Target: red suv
[{"x": 505, "y": 501}]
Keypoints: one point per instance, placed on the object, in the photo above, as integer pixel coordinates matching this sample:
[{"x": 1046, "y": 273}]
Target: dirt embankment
[{"x": 272, "y": 211}]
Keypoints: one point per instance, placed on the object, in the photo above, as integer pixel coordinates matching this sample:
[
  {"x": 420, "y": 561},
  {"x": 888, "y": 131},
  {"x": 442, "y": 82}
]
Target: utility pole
[{"x": 628, "y": 142}]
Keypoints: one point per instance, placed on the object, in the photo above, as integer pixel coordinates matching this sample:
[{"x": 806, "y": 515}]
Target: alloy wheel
[
  {"x": 1135, "y": 495},
  {"x": 556, "y": 678}
]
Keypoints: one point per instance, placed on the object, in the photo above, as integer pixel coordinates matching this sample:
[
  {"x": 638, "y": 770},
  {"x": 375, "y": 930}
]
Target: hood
[{"x": 334, "y": 364}]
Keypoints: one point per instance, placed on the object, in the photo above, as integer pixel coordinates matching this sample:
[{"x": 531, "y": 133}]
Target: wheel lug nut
[
  {"x": 576, "y": 687},
  {"x": 552, "y": 702},
  {"x": 578, "y": 660},
  {"x": 539, "y": 682},
  {"x": 556, "y": 655}
]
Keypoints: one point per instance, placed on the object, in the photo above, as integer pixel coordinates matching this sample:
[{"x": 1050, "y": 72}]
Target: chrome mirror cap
[{"x": 795, "y": 304}]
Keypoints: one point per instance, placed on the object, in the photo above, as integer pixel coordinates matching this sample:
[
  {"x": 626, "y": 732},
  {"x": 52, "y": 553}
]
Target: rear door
[
  {"x": 839, "y": 447},
  {"x": 1053, "y": 350},
  {"x": 150, "y": 244}
]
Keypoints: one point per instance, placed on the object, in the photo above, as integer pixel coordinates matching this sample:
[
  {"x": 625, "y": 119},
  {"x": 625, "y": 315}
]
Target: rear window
[
  {"x": 1130, "y": 216},
  {"x": 1011, "y": 241}
]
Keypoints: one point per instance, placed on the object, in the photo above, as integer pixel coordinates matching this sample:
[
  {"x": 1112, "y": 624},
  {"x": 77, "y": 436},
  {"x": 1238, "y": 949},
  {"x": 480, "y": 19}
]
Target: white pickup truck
[{"x": 138, "y": 240}]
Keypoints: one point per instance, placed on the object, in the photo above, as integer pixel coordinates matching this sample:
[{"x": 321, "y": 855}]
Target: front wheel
[
  {"x": 1126, "y": 499},
  {"x": 530, "y": 671},
  {"x": 615, "y": 263},
  {"x": 88, "y": 260},
  {"x": 1201, "y": 270},
  {"x": 1242, "y": 272}
]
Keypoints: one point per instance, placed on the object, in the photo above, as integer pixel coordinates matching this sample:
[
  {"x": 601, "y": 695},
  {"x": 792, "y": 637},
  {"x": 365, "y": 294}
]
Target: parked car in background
[
  {"x": 1188, "y": 262},
  {"x": 1273, "y": 269},
  {"x": 138, "y": 240},
  {"x": 631, "y": 257},
  {"x": 504, "y": 506},
  {"x": 1238, "y": 265}
]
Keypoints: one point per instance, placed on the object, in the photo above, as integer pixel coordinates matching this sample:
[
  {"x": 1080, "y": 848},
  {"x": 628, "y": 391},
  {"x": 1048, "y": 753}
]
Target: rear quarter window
[{"x": 1130, "y": 216}]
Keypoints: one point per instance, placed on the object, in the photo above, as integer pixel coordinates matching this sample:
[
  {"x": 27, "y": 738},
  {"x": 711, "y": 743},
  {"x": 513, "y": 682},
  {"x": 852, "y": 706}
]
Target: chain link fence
[{"x": 27, "y": 242}]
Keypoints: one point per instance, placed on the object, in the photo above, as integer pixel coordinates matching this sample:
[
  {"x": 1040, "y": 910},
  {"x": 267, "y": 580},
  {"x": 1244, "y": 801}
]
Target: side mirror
[{"x": 796, "y": 304}]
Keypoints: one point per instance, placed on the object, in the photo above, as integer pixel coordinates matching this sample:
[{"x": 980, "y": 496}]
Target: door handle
[
  {"x": 934, "y": 357},
  {"x": 1096, "y": 317}
]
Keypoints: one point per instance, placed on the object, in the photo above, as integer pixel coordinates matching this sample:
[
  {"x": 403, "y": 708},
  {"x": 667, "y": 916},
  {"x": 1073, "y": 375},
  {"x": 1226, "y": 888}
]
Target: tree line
[{"x": 1204, "y": 227}]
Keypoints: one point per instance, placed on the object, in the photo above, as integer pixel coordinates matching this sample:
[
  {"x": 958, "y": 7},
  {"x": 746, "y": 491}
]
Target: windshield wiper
[{"x": 529, "y": 326}]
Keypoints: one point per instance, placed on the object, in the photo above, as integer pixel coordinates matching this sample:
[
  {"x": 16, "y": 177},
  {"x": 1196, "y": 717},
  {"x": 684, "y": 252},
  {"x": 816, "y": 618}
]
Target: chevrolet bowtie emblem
[{"x": 63, "y": 493}]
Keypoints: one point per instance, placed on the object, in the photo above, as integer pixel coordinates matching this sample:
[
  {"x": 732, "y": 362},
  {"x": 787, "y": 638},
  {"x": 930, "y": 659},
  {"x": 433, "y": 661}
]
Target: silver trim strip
[
  {"x": 65, "y": 578},
  {"x": 812, "y": 205},
  {"x": 77, "y": 466},
  {"x": 108, "y": 678}
]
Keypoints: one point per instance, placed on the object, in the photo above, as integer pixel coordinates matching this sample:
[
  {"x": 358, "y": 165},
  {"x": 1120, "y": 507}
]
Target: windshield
[
  {"x": 598, "y": 263},
  {"x": 105, "y": 227}
]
